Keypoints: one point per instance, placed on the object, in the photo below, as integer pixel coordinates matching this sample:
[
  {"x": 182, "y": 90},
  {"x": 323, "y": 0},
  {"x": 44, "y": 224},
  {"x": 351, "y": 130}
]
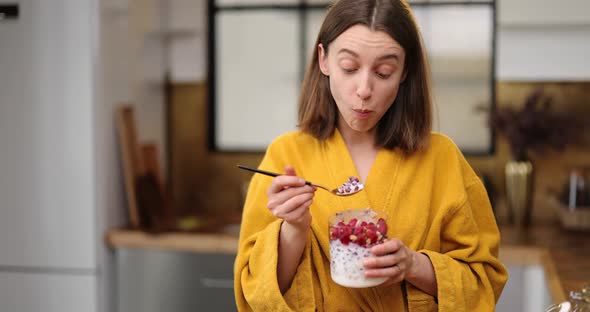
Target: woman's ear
[{"x": 323, "y": 60}]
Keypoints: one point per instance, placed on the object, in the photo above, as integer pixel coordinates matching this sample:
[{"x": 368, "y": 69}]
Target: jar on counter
[
  {"x": 578, "y": 194},
  {"x": 579, "y": 302},
  {"x": 581, "y": 299}
]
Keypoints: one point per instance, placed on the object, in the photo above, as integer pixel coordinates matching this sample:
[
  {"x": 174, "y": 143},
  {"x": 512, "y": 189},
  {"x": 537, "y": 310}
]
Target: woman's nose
[{"x": 364, "y": 88}]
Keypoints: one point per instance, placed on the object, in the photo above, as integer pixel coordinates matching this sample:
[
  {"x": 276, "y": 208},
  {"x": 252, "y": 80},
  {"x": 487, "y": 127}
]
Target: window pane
[
  {"x": 459, "y": 47},
  {"x": 257, "y": 77}
]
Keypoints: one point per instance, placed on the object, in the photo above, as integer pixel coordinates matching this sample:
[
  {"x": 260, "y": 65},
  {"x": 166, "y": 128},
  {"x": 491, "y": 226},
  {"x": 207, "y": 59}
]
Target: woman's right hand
[{"x": 289, "y": 199}]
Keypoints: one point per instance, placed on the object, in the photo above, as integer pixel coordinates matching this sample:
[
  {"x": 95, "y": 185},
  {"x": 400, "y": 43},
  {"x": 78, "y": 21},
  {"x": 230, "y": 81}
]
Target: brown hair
[{"x": 407, "y": 123}]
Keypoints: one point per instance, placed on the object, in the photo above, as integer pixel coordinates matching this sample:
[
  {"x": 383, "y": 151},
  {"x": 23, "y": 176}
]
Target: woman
[{"x": 365, "y": 111}]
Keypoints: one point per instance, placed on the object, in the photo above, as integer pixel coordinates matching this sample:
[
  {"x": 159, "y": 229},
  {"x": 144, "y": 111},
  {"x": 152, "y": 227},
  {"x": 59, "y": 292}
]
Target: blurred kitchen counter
[
  {"x": 569, "y": 251},
  {"x": 176, "y": 241},
  {"x": 565, "y": 255}
]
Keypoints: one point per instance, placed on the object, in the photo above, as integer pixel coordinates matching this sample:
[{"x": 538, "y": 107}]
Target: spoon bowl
[{"x": 350, "y": 187}]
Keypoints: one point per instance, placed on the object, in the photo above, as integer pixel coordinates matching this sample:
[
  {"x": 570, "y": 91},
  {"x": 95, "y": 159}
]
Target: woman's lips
[{"x": 361, "y": 113}]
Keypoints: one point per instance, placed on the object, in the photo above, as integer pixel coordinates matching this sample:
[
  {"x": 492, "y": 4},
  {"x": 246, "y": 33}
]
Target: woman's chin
[{"x": 362, "y": 128}]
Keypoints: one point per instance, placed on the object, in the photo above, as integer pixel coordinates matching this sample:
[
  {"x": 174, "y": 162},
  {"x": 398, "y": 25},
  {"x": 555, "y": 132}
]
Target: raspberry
[
  {"x": 364, "y": 234},
  {"x": 381, "y": 226},
  {"x": 345, "y": 239},
  {"x": 371, "y": 236}
]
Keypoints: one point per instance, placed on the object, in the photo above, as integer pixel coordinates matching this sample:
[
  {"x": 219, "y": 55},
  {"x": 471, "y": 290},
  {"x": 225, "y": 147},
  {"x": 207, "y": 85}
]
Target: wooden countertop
[
  {"x": 568, "y": 250},
  {"x": 185, "y": 242},
  {"x": 564, "y": 255}
]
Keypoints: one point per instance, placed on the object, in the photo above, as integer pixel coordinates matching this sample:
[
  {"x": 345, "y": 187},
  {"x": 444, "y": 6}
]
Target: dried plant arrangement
[{"x": 534, "y": 127}]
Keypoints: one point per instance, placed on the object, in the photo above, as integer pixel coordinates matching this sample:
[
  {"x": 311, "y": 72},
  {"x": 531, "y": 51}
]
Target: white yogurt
[{"x": 346, "y": 265}]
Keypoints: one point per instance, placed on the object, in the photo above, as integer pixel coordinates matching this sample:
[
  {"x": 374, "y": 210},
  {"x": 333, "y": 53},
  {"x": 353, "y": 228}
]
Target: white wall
[
  {"x": 186, "y": 31},
  {"x": 112, "y": 84},
  {"x": 130, "y": 66}
]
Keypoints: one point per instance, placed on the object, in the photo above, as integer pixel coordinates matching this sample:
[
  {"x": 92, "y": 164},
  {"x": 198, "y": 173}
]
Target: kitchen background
[{"x": 67, "y": 65}]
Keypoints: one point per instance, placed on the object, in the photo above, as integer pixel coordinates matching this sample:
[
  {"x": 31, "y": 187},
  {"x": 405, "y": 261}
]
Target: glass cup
[{"x": 352, "y": 234}]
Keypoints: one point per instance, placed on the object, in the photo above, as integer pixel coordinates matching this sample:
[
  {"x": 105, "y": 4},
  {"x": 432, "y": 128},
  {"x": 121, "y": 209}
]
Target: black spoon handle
[{"x": 268, "y": 173}]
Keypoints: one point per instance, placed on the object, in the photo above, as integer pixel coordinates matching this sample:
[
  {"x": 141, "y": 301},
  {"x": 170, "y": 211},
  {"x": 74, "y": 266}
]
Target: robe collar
[{"x": 379, "y": 191}]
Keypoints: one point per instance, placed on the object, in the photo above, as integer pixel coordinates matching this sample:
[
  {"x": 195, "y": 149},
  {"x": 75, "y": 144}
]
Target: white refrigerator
[
  {"x": 64, "y": 67},
  {"x": 48, "y": 256}
]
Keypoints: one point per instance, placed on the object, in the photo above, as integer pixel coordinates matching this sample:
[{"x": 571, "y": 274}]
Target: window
[{"x": 259, "y": 49}]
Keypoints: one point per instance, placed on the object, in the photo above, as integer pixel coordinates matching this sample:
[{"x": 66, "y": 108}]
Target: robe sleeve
[
  {"x": 255, "y": 269},
  {"x": 469, "y": 275}
]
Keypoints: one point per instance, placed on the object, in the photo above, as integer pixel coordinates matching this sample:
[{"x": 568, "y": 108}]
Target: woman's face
[{"x": 365, "y": 69}]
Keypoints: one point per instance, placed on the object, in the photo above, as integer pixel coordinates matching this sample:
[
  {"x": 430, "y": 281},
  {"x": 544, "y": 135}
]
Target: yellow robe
[{"x": 435, "y": 204}]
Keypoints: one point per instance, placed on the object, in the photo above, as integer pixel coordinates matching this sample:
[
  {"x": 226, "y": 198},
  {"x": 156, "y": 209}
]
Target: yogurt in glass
[{"x": 352, "y": 234}]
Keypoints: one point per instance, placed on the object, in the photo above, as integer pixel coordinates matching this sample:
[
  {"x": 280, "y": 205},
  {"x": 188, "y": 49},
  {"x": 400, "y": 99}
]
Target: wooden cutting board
[
  {"x": 155, "y": 206},
  {"x": 133, "y": 166}
]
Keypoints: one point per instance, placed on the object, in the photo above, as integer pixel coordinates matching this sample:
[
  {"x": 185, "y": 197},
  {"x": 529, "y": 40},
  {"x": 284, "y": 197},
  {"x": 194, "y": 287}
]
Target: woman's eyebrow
[
  {"x": 389, "y": 56},
  {"x": 381, "y": 58},
  {"x": 345, "y": 50}
]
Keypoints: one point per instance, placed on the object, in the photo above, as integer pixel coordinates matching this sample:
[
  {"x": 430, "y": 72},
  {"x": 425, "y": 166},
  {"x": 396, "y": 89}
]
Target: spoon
[{"x": 352, "y": 186}]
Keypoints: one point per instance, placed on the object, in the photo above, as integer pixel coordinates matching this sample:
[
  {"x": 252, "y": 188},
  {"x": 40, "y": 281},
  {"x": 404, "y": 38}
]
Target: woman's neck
[
  {"x": 355, "y": 139},
  {"x": 362, "y": 149}
]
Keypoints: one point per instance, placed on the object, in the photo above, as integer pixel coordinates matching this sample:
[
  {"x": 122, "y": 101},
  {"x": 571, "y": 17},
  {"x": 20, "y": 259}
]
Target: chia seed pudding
[
  {"x": 351, "y": 186},
  {"x": 352, "y": 234}
]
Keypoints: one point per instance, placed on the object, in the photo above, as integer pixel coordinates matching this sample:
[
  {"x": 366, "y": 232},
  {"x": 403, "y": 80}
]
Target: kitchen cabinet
[
  {"x": 178, "y": 272},
  {"x": 155, "y": 280}
]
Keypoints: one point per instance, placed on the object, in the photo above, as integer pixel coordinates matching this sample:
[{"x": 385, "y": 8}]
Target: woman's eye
[
  {"x": 349, "y": 70},
  {"x": 383, "y": 75}
]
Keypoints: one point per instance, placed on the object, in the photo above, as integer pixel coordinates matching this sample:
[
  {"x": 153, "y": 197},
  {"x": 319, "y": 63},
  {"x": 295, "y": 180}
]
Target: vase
[{"x": 519, "y": 191}]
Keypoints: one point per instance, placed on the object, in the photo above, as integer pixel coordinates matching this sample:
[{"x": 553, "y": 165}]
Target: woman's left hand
[{"x": 392, "y": 259}]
